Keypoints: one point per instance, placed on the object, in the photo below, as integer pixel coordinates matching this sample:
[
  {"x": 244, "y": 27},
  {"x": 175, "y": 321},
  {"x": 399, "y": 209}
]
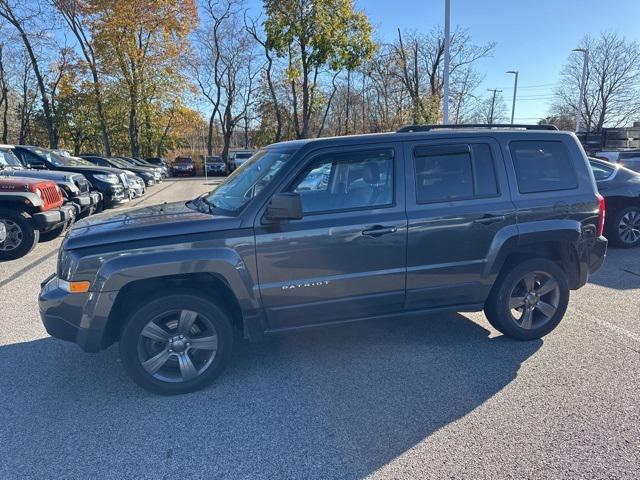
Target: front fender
[
  {"x": 120, "y": 270},
  {"x": 226, "y": 263}
]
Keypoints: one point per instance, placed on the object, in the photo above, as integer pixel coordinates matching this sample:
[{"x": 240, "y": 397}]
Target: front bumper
[
  {"x": 116, "y": 195},
  {"x": 52, "y": 218},
  {"x": 71, "y": 316}
]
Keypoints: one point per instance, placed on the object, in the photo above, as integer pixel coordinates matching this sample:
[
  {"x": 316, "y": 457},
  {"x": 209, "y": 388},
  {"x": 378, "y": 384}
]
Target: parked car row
[
  {"x": 184, "y": 166},
  {"x": 43, "y": 191}
]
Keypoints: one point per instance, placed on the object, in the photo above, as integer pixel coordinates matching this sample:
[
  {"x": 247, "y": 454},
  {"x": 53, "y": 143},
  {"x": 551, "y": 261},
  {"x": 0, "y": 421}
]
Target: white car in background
[{"x": 238, "y": 157}]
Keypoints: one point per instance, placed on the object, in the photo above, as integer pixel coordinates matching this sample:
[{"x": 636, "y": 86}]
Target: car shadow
[
  {"x": 620, "y": 270},
  {"x": 326, "y": 403}
]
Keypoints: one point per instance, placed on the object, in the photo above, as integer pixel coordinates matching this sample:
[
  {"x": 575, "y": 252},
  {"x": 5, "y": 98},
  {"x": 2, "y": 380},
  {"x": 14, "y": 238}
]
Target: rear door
[
  {"x": 346, "y": 257},
  {"x": 458, "y": 200}
]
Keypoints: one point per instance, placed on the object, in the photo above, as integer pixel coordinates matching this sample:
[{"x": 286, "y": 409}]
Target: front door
[
  {"x": 345, "y": 258},
  {"x": 458, "y": 200}
]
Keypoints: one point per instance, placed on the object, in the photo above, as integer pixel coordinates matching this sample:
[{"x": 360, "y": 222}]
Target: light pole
[
  {"x": 445, "y": 100},
  {"x": 515, "y": 90},
  {"x": 583, "y": 85}
]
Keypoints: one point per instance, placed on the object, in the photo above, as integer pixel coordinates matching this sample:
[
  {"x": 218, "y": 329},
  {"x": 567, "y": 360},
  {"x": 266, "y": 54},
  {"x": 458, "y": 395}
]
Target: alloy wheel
[
  {"x": 534, "y": 300},
  {"x": 177, "y": 346},
  {"x": 14, "y": 235},
  {"x": 629, "y": 227}
]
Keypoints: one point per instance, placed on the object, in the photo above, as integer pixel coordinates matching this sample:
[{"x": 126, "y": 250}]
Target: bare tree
[
  {"x": 19, "y": 22},
  {"x": 226, "y": 70},
  {"x": 421, "y": 61},
  {"x": 251, "y": 27},
  {"x": 612, "y": 93}
]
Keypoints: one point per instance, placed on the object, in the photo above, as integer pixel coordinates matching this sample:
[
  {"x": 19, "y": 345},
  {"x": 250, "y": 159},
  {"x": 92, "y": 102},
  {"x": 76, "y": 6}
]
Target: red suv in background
[
  {"x": 30, "y": 210},
  {"x": 183, "y": 167}
]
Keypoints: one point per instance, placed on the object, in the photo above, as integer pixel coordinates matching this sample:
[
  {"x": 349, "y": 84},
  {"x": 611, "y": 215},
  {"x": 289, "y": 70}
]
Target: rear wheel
[
  {"x": 529, "y": 300},
  {"x": 20, "y": 238},
  {"x": 176, "y": 344},
  {"x": 624, "y": 229}
]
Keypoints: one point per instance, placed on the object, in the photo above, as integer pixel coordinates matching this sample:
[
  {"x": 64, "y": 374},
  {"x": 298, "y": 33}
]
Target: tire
[
  {"x": 54, "y": 232},
  {"x": 171, "y": 368},
  {"x": 24, "y": 237},
  {"x": 624, "y": 228},
  {"x": 545, "y": 309}
]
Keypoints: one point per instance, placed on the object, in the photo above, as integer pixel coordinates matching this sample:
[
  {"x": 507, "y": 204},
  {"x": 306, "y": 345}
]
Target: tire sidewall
[
  {"x": 30, "y": 235},
  {"x": 504, "y": 322},
  {"x": 139, "y": 318}
]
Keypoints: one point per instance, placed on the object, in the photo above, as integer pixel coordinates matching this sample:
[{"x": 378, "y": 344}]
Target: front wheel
[
  {"x": 20, "y": 235},
  {"x": 529, "y": 300},
  {"x": 176, "y": 344}
]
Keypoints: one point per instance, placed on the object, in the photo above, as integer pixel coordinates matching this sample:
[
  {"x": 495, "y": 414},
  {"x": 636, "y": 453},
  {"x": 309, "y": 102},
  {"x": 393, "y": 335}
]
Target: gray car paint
[{"x": 452, "y": 261}]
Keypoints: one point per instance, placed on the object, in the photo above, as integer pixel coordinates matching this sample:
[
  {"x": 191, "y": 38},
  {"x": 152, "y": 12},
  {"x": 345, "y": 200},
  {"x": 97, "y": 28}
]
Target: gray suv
[{"x": 318, "y": 232}]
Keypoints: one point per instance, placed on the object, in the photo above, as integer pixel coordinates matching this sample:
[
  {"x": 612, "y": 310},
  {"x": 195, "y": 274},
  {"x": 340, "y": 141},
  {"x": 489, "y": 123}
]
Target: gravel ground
[{"x": 443, "y": 396}]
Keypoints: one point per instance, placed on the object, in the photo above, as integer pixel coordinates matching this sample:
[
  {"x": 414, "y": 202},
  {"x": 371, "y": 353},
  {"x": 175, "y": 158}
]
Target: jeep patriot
[{"x": 323, "y": 231}]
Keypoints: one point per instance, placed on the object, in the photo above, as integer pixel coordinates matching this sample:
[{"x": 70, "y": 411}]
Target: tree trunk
[
  {"x": 348, "y": 104},
  {"x": 210, "y": 134},
  {"x": 51, "y": 130},
  {"x": 4, "y": 98},
  {"x": 97, "y": 91}
]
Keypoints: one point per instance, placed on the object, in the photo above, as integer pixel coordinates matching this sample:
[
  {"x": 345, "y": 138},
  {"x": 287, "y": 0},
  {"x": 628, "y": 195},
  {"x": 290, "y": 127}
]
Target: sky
[{"x": 533, "y": 37}]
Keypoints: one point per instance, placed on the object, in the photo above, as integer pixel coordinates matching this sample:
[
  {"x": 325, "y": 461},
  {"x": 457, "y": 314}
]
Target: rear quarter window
[{"x": 542, "y": 166}]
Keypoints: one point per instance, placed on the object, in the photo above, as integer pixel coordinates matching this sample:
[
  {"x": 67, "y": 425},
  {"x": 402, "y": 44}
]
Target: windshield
[
  {"x": 60, "y": 160},
  {"x": 119, "y": 162},
  {"x": 249, "y": 179},
  {"x": 8, "y": 159}
]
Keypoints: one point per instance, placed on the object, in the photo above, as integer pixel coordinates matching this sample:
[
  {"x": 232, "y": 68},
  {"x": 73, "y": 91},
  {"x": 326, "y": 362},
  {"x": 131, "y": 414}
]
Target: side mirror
[
  {"x": 284, "y": 206},
  {"x": 38, "y": 166}
]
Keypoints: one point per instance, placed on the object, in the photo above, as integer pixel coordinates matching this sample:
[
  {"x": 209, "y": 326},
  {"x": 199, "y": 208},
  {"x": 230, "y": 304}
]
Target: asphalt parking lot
[{"x": 443, "y": 396}]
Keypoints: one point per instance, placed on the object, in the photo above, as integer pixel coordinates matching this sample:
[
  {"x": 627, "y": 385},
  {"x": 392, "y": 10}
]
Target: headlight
[
  {"x": 109, "y": 178},
  {"x": 38, "y": 192}
]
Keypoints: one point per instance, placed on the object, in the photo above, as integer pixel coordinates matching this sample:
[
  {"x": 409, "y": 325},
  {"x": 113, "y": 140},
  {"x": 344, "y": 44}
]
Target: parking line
[{"x": 610, "y": 326}]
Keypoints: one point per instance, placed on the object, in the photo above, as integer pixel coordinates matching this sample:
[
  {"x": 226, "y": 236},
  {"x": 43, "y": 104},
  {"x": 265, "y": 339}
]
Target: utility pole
[
  {"x": 515, "y": 90},
  {"x": 493, "y": 103},
  {"x": 447, "y": 59},
  {"x": 583, "y": 85}
]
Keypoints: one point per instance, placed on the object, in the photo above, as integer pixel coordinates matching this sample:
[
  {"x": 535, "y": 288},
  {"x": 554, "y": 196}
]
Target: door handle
[
  {"x": 489, "y": 219},
  {"x": 379, "y": 230}
]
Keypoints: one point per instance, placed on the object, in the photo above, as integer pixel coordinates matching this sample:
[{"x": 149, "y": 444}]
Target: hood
[
  {"x": 87, "y": 170},
  {"x": 55, "y": 175},
  {"x": 166, "y": 220},
  {"x": 16, "y": 183},
  {"x": 147, "y": 170}
]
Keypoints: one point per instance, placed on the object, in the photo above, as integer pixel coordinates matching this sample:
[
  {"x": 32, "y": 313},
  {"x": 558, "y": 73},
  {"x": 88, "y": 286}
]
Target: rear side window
[
  {"x": 542, "y": 166},
  {"x": 600, "y": 171},
  {"x": 454, "y": 172}
]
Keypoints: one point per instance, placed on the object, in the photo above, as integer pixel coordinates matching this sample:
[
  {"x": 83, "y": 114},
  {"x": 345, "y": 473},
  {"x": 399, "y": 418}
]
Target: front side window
[
  {"x": 347, "y": 180},
  {"x": 249, "y": 179},
  {"x": 542, "y": 166}
]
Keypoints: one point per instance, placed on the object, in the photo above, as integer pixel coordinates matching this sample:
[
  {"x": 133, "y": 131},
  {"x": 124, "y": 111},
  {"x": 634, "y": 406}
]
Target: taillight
[{"x": 601, "y": 213}]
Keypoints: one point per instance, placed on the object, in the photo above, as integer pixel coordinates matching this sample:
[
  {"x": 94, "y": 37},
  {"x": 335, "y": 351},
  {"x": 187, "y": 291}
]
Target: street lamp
[
  {"x": 583, "y": 85},
  {"x": 445, "y": 100},
  {"x": 515, "y": 89}
]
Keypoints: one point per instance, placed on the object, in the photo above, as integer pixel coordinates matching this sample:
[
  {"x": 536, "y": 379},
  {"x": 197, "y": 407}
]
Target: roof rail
[{"x": 426, "y": 128}]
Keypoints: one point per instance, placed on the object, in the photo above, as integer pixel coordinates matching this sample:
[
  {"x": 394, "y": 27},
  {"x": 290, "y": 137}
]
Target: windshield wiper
[{"x": 199, "y": 201}]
